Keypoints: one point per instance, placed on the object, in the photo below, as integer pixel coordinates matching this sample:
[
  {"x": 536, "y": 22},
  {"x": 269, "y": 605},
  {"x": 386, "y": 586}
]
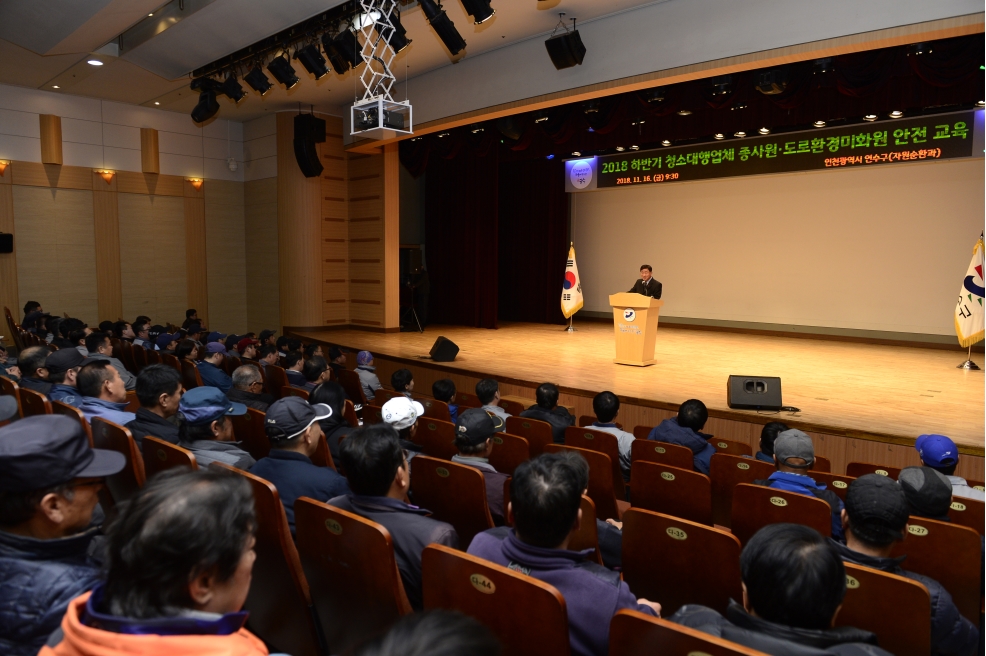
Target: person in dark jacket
[
  {"x": 34, "y": 374},
  {"x": 609, "y": 533},
  {"x": 647, "y": 285},
  {"x": 768, "y": 434},
  {"x": 248, "y": 388},
  {"x": 874, "y": 519},
  {"x": 685, "y": 430},
  {"x": 334, "y": 427},
  {"x": 293, "y": 364},
  {"x": 547, "y": 409},
  {"x": 209, "y": 368},
  {"x": 208, "y": 431},
  {"x": 474, "y": 432},
  {"x": 159, "y": 392},
  {"x": 63, "y": 367},
  {"x": 928, "y": 492},
  {"x": 402, "y": 381},
  {"x": 49, "y": 484},
  {"x": 316, "y": 371},
  {"x": 545, "y": 495},
  {"x": 380, "y": 477},
  {"x": 337, "y": 359},
  {"x": 444, "y": 390},
  {"x": 793, "y": 586},
  {"x": 294, "y": 432}
]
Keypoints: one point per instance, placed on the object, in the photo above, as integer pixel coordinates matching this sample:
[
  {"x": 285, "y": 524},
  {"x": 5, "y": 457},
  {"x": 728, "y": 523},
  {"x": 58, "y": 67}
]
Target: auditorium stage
[{"x": 867, "y": 392}]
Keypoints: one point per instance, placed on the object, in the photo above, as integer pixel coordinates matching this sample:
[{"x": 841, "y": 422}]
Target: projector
[{"x": 367, "y": 119}]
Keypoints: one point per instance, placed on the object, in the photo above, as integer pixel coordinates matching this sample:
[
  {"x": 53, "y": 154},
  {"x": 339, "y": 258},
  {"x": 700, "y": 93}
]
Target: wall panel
[
  {"x": 226, "y": 254},
  {"x": 263, "y": 293},
  {"x": 9, "y": 296}
]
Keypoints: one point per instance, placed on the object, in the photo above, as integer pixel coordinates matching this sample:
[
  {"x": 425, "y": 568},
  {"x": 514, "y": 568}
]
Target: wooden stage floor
[{"x": 883, "y": 391}]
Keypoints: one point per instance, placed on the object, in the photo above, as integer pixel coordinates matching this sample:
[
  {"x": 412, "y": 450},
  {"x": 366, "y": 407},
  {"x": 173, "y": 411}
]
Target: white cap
[{"x": 401, "y": 412}]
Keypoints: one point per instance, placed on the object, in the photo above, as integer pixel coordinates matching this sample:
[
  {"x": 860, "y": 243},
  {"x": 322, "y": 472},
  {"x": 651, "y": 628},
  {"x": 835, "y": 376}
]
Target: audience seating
[
  {"x": 731, "y": 447},
  {"x": 508, "y": 452},
  {"x": 603, "y": 442},
  {"x": 372, "y": 414},
  {"x": 437, "y": 438},
  {"x": 107, "y": 435},
  {"x": 190, "y": 376},
  {"x": 434, "y": 409},
  {"x": 249, "y": 429},
  {"x": 641, "y": 432},
  {"x": 822, "y": 464},
  {"x": 726, "y": 472},
  {"x": 949, "y": 554},
  {"x": 836, "y": 483},
  {"x": 537, "y": 433},
  {"x": 632, "y": 633},
  {"x": 291, "y": 390},
  {"x": 661, "y": 452},
  {"x": 140, "y": 357},
  {"x": 756, "y": 506},
  {"x": 896, "y": 609},
  {"x": 857, "y": 469},
  {"x": 280, "y": 605},
  {"x": 231, "y": 363},
  {"x": 349, "y": 412},
  {"x": 160, "y": 455},
  {"x": 968, "y": 512},
  {"x": 589, "y": 420},
  {"x": 350, "y": 565},
  {"x": 587, "y": 537},
  {"x": 381, "y": 396},
  {"x": 601, "y": 489},
  {"x": 9, "y": 387},
  {"x": 354, "y": 389},
  {"x": 133, "y": 403},
  {"x": 453, "y": 493},
  {"x": 675, "y": 562},
  {"x": 275, "y": 380},
  {"x": 672, "y": 491},
  {"x": 153, "y": 357},
  {"x": 33, "y": 403},
  {"x": 527, "y": 615},
  {"x": 127, "y": 356},
  {"x": 467, "y": 400},
  {"x": 322, "y": 456},
  {"x": 171, "y": 361},
  {"x": 979, "y": 485},
  {"x": 15, "y": 330},
  {"x": 59, "y": 408},
  {"x": 512, "y": 408}
]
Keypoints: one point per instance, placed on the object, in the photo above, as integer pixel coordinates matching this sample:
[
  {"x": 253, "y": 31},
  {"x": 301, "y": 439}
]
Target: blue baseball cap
[
  {"x": 937, "y": 450},
  {"x": 215, "y": 347},
  {"x": 204, "y": 405},
  {"x": 164, "y": 339},
  {"x": 215, "y": 336}
]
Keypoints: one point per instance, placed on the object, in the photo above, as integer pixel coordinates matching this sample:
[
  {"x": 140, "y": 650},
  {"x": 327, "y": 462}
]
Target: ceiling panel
[
  {"x": 21, "y": 67},
  {"x": 125, "y": 82}
]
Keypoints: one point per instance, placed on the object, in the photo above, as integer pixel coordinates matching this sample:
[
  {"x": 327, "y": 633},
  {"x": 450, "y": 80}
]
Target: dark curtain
[{"x": 533, "y": 244}]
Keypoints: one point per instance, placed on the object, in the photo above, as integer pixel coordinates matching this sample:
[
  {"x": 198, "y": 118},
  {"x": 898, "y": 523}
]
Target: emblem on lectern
[{"x": 629, "y": 314}]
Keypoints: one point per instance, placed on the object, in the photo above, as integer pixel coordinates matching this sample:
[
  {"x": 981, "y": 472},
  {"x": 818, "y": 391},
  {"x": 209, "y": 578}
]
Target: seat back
[
  {"x": 14, "y": 328},
  {"x": 512, "y": 407},
  {"x": 632, "y": 633},
  {"x": 33, "y": 403},
  {"x": 279, "y": 602},
  {"x": 822, "y": 464},
  {"x": 381, "y": 396},
  {"x": 10, "y": 388},
  {"x": 756, "y": 506},
  {"x": 160, "y": 455},
  {"x": 437, "y": 437},
  {"x": 600, "y": 479},
  {"x": 672, "y": 491},
  {"x": 537, "y": 433},
  {"x": 322, "y": 456},
  {"x": 275, "y": 379},
  {"x": 153, "y": 357},
  {"x": 835, "y": 482},
  {"x": 372, "y": 414},
  {"x": 350, "y": 414},
  {"x": 171, "y": 361},
  {"x": 467, "y": 400},
  {"x": 190, "y": 376},
  {"x": 726, "y": 472},
  {"x": 677, "y": 562},
  {"x": 59, "y": 408},
  {"x": 133, "y": 403},
  {"x": 968, "y": 512},
  {"x": 603, "y": 442},
  {"x": 140, "y": 357},
  {"x": 107, "y": 435},
  {"x": 508, "y": 452},
  {"x": 350, "y": 565},
  {"x": 435, "y": 409},
  {"x": 857, "y": 469},
  {"x": 249, "y": 429},
  {"x": 948, "y": 553},
  {"x": 587, "y": 537},
  {"x": 896, "y": 609},
  {"x": 354, "y": 389},
  {"x": 127, "y": 356},
  {"x": 291, "y": 390},
  {"x": 453, "y": 493},
  {"x": 662, "y": 453},
  {"x": 504, "y": 600},
  {"x": 230, "y": 364},
  {"x": 731, "y": 447}
]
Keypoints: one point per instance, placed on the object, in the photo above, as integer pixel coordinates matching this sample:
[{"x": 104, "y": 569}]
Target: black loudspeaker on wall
[
  {"x": 444, "y": 350},
  {"x": 6, "y": 242},
  {"x": 754, "y": 392},
  {"x": 308, "y": 131}
]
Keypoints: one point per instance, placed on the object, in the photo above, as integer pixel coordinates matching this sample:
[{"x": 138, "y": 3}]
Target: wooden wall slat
[
  {"x": 130, "y": 182},
  {"x": 9, "y": 296},
  {"x": 109, "y": 277},
  {"x": 263, "y": 299},
  {"x": 197, "y": 280},
  {"x": 34, "y": 174}
]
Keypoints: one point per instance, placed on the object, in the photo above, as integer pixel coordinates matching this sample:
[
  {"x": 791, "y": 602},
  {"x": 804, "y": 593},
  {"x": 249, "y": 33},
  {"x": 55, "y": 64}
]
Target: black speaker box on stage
[
  {"x": 754, "y": 392},
  {"x": 308, "y": 131},
  {"x": 6, "y": 242},
  {"x": 444, "y": 350}
]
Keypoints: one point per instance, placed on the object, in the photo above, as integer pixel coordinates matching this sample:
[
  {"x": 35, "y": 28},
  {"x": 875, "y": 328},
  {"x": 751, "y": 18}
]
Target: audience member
[
  {"x": 65, "y": 329},
  {"x": 606, "y": 405},
  {"x": 187, "y": 349},
  {"x": 247, "y": 348},
  {"x": 547, "y": 409},
  {"x": 143, "y": 318},
  {"x": 380, "y": 477},
  {"x": 34, "y": 322},
  {"x": 294, "y": 344},
  {"x": 159, "y": 391},
  {"x": 208, "y": 431},
  {"x": 268, "y": 355},
  {"x": 488, "y": 393},
  {"x": 215, "y": 336},
  {"x": 191, "y": 317},
  {"x": 313, "y": 350},
  {"x": 123, "y": 331},
  {"x": 875, "y": 518},
  {"x": 609, "y": 533},
  {"x": 100, "y": 348},
  {"x": 49, "y": 484},
  {"x": 433, "y": 633},
  {"x": 793, "y": 586},
  {"x": 402, "y": 381},
  {"x": 685, "y": 430},
  {"x": 337, "y": 359},
  {"x": 267, "y": 337},
  {"x": 179, "y": 564},
  {"x": 545, "y": 496},
  {"x": 142, "y": 336},
  {"x": 248, "y": 388},
  {"x": 8, "y": 369},
  {"x": 34, "y": 374},
  {"x": 293, "y": 363},
  {"x": 474, "y": 433},
  {"x": 103, "y": 393},
  {"x": 105, "y": 327},
  {"x": 63, "y": 369},
  {"x": 794, "y": 455},
  {"x": 316, "y": 371},
  {"x": 444, "y": 390},
  {"x": 939, "y": 452},
  {"x": 928, "y": 492},
  {"x": 768, "y": 434},
  {"x": 402, "y": 413},
  {"x": 292, "y": 425},
  {"x": 29, "y": 307},
  {"x": 166, "y": 343},
  {"x": 195, "y": 332},
  {"x": 78, "y": 339},
  {"x": 209, "y": 367},
  {"x": 367, "y": 374},
  {"x": 335, "y": 427},
  {"x": 282, "y": 345}
]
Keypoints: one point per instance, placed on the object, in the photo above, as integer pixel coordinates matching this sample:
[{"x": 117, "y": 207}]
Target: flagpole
[
  {"x": 571, "y": 328},
  {"x": 969, "y": 365}
]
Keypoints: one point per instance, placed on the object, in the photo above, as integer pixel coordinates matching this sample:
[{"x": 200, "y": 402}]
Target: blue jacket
[
  {"x": 670, "y": 432},
  {"x": 38, "y": 579},
  {"x": 115, "y": 412},
  {"x": 802, "y": 484},
  {"x": 65, "y": 394},
  {"x": 213, "y": 376},
  {"x": 295, "y": 475},
  {"x": 763, "y": 457}
]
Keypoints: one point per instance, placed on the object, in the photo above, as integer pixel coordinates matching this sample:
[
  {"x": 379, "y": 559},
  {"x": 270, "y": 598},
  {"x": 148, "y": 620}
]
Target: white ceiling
[{"x": 43, "y": 48}]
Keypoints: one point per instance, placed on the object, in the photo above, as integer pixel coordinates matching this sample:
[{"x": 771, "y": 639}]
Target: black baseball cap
[
  {"x": 928, "y": 491},
  {"x": 64, "y": 359},
  {"x": 48, "y": 450},
  {"x": 193, "y": 328},
  {"x": 877, "y": 509},
  {"x": 475, "y": 426},
  {"x": 289, "y": 417},
  {"x": 266, "y": 334}
]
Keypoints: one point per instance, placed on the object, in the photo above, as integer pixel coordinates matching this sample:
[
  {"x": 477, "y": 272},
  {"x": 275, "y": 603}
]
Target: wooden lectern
[{"x": 635, "y": 322}]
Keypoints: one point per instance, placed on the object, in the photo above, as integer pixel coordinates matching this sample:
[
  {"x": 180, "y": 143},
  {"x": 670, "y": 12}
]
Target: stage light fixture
[
  {"x": 591, "y": 107},
  {"x": 772, "y": 82},
  {"x": 666, "y": 142},
  {"x": 258, "y": 81},
  {"x": 823, "y": 65},
  {"x": 896, "y": 114},
  {"x": 634, "y": 147},
  {"x": 342, "y": 50},
  {"x": 739, "y": 134},
  {"x": 870, "y": 117},
  {"x": 639, "y": 121},
  {"x": 477, "y": 129},
  {"x": 684, "y": 112},
  {"x": 156, "y": 102},
  {"x": 208, "y": 106},
  {"x": 819, "y": 124},
  {"x": 651, "y": 96},
  {"x": 541, "y": 118},
  {"x": 443, "y": 27},
  {"x": 480, "y": 10},
  {"x": 764, "y": 130},
  {"x": 442, "y": 135},
  {"x": 233, "y": 89},
  {"x": 920, "y": 49},
  {"x": 55, "y": 86},
  {"x": 283, "y": 71},
  {"x": 620, "y": 149},
  {"x": 312, "y": 60},
  {"x": 550, "y": 157},
  {"x": 576, "y": 153},
  {"x": 398, "y": 37},
  {"x": 719, "y": 135},
  {"x": 981, "y": 103},
  {"x": 722, "y": 86}
]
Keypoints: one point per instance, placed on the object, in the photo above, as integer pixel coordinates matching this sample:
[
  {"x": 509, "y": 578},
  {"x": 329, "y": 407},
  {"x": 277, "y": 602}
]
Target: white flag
[
  {"x": 571, "y": 291},
  {"x": 969, "y": 309}
]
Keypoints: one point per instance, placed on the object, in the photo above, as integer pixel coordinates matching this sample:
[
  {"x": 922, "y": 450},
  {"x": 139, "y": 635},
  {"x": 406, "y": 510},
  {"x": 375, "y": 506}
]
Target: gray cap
[
  {"x": 928, "y": 491},
  {"x": 793, "y": 443}
]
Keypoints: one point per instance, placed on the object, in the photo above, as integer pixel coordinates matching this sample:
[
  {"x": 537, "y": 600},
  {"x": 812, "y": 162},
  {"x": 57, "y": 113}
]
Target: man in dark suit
[{"x": 647, "y": 285}]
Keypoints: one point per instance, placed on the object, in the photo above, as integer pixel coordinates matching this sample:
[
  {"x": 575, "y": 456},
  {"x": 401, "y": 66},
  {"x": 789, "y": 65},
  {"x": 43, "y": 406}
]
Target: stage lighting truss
[{"x": 377, "y": 115}]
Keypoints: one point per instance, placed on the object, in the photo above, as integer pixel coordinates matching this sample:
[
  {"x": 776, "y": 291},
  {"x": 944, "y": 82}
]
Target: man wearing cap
[
  {"x": 402, "y": 413},
  {"x": 248, "y": 388},
  {"x": 474, "y": 431},
  {"x": 208, "y": 430},
  {"x": 34, "y": 374},
  {"x": 166, "y": 343},
  {"x": 367, "y": 374},
  {"x": 159, "y": 392},
  {"x": 794, "y": 455},
  {"x": 215, "y": 336},
  {"x": 939, "y": 452},
  {"x": 928, "y": 492},
  {"x": 49, "y": 483},
  {"x": 875, "y": 518},
  {"x": 209, "y": 369},
  {"x": 194, "y": 331},
  {"x": 103, "y": 393},
  {"x": 292, "y": 425},
  {"x": 100, "y": 348},
  {"x": 63, "y": 368},
  {"x": 247, "y": 348}
]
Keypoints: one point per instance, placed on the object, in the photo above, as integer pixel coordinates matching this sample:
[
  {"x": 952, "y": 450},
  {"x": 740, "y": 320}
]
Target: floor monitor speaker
[
  {"x": 444, "y": 350},
  {"x": 754, "y": 392}
]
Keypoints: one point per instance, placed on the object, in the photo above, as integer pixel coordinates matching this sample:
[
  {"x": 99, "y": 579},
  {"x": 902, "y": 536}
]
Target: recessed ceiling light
[
  {"x": 55, "y": 86},
  {"x": 149, "y": 15},
  {"x": 620, "y": 149},
  {"x": 684, "y": 112},
  {"x": 870, "y": 117},
  {"x": 896, "y": 113},
  {"x": 634, "y": 147},
  {"x": 819, "y": 124},
  {"x": 576, "y": 153},
  {"x": 156, "y": 102},
  {"x": 94, "y": 62},
  {"x": 740, "y": 134},
  {"x": 719, "y": 135},
  {"x": 666, "y": 142},
  {"x": 764, "y": 130}
]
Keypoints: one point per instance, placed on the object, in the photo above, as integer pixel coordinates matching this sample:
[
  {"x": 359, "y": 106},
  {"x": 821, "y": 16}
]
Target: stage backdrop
[{"x": 880, "y": 249}]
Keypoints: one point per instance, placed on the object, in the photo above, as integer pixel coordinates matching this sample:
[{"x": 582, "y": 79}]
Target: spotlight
[
  {"x": 565, "y": 49},
  {"x": 719, "y": 135},
  {"x": 591, "y": 107},
  {"x": 258, "y": 81},
  {"x": 480, "y": 10},
  {"x": 666, "y": 142},
  {"x": 442, "y": 135},
  {"x": 156, "y": 102},
  {"x": 981, "y": 103},
  {"x": 819, "y": 124},
  {"x": 342, "y": 50},
  {"x": 639, "y": 121},
  {"x": 476, "y": 129},
  {"x": 870, "y": 117},
  {"x": 634, "y": 147},
  {"x": 55, "y": 86},
  {"x": 443, "y": 27},
  {"x": 772, "y": 82},
  {"x": 653, "y": 95},
  {"x": 312, "y": 60},
  {"x": 542, "y": 117},
  {"x": 233, "y": 89},
  {"x": 920, "y": 49},
  {"x": 738, "y": 106},
  {"x": 207, "y": 106},
  {"x": 684, "y": 112},
  {"x": 620, "y": 149},
  {"x": 764, "y": 130},
  {"x": 739, "y": 133},
  {"x": 398, "y": 38},
  {"x": 576, "y": 153},
  {"x": 283, "y": 71},
  {"x": 823, "y": 65},
  {"x": 722, "y": 86},
  {"x": 896, "y": 113}
]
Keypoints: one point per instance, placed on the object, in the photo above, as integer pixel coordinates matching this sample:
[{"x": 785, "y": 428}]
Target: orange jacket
[{"x": 81, "y": 640}]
